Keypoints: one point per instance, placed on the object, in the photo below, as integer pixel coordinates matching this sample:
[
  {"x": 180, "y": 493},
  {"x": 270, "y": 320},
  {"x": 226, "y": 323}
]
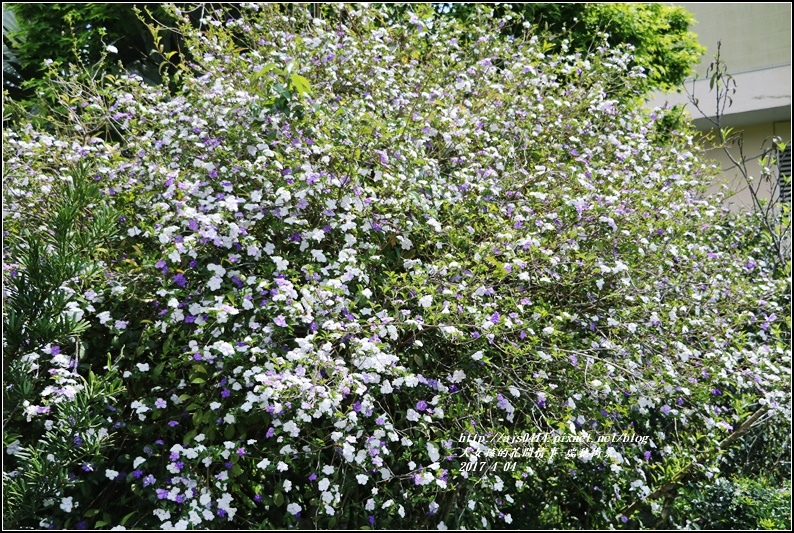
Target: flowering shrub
[{"x": 354, "y": 256}]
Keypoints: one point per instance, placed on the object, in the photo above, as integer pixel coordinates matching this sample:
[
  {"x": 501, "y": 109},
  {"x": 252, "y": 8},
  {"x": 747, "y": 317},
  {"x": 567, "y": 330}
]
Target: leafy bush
[
  {"x": 354, "y": 259},
  {"x": 740, "y": 504},
  {"x": 67, "y": 33},
  {"x": 663, "y": 45}
]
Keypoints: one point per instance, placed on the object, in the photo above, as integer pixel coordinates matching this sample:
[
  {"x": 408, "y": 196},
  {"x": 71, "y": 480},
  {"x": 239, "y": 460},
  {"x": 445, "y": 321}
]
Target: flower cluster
[{"x": 347, "y": 244}]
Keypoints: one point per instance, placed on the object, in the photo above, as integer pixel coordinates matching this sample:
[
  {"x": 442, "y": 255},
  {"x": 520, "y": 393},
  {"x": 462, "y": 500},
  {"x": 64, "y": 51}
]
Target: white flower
[
  {"x": 66, "y": 504},
  {"x": 111, "y": 474},
  {"x": 477, "y": 355},
  {"x": 14, "y": 447},
  {"x": 442, "y": 526},
  {"x": 112, "y": 49},
  {"x": 426, "y": 301},
  {"x": 362, "y": 479},
  {"x": 214, "y": 283},
  {"x": 264, "y": 463},
  {"x": 432, "y": 452},
  {"x": 323, "y": 484},
  {"x": 281, "y": 264},
  {"x": 143, "y": 367},
  {"x": 294, "y": 508},
  {"x": 104, "y": 317}
]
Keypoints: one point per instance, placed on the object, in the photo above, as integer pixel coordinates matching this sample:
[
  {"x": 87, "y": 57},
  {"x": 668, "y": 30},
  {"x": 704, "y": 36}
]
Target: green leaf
[
  {"x": 301, "y": 84},
  {"x": 278, "y": 499},
  {"x": 264, "y": 70},
  {"x": 126, "y": 518}
]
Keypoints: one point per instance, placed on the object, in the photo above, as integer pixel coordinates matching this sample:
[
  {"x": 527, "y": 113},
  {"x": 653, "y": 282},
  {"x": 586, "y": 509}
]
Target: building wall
[
  {"x": 756, "y": 48},
  {"x": 756, "y": 139},
  {"x": 752, "y": 35}
]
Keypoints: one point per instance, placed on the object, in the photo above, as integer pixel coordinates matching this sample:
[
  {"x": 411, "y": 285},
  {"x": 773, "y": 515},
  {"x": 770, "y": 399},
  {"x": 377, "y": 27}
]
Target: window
[{"x": 784, "y": 174}]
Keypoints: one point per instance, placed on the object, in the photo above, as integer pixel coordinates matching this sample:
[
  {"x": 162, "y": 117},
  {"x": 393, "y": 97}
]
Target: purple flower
[
  {"x": 270, "y": 433},
  {"x": 312, "y": 477},
  {"x": 148, "y": 480},
  {"x": 160, "y": 403},
  {"x": 495, "y": 318},
  {"x": 241, "y": 452},
  {"x": 173, "y": 423},
  {"x": 162, "y": 494},
  {"x": 371, "y": 519},
  {"x": 502, "y": 402},
  {"x": 421, "y": 405},
  {"x": 257, "y": 498},
  {"x": 665, "y": 409},
  {"x": 716, "y": 392},
  {"x": 180, "y": 280},
  {"x": 174, "y": 456},
  {"x": 647, "y": 455},
  {"x": 137, "y": 474},
  {"x": 280, "y": 321},
  {"x": 225, "y": 393}
]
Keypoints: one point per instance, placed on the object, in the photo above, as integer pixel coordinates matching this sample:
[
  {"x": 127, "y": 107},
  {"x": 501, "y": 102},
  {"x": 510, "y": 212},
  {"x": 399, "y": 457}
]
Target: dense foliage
[
  {"x": 663, "y": 45},
  {"x": 65, "y": 33},
  {"x": 331, "y": 281},
  {"x": 69, "y": 32}
]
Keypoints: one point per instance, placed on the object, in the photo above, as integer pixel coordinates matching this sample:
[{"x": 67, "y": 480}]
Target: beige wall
[
  {"x": 756, "y": 138},
  {"x": 752, "y": 35}
]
